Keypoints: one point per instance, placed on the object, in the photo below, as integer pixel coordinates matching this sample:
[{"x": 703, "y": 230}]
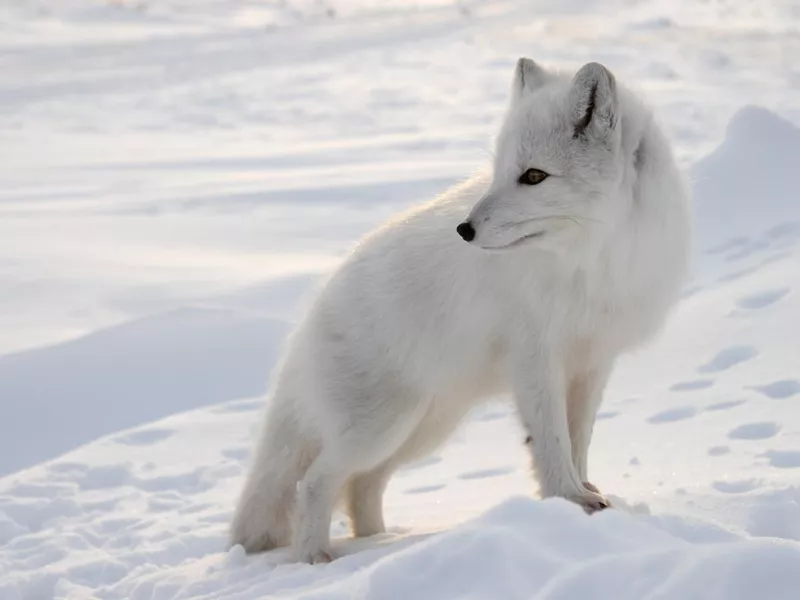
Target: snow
[
  {"x": 176, "y": 177},
  {"x": 134, "y": 372}
]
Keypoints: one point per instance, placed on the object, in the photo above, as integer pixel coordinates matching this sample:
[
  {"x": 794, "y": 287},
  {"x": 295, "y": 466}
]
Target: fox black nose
[{"x": 466, "y": 231}]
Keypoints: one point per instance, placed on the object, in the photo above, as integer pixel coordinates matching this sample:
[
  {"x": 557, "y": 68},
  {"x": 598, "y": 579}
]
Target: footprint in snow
[
  {"x": 784, "y": 231},
  {"x": 425, "y": 489},
  {"x": 783, "y": 459},
  {"x": 695, "y": 384},
  {"x": 673, "y": 414},
  {"x": 608, "y": 414},
  {"x": 736, "y": 487},
  {"x": 777, "y": 390},
  {"x": 761, "y": 299},
  {"x": 755, "y": 431},
  {"x": 718, "y": 450},
  {"x": 724, "y": 405},
  {"x": 143, "y": 437},
  {"x": 727, "y": 358},
  {"x": 486, "y": 473}
]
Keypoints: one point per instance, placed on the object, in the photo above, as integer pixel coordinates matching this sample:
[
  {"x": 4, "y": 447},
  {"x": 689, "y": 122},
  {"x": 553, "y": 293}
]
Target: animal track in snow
[
  {"x": 695, "y": 384},
  {"x": 718, "y": 450},
  {"x": 784, "y": 231},
  {"x": 736, "y": 487},
  {"x": 754, "y": 431},
  {"x": 783, "y": 459},
  {"x": 143, "y": 437},
  {"x": 727, "y": 404},
  {"x": 425, "y": 489},
  {"x": 486, "y": 473},
  {"x": 673, "y": 414},
  {"x": 727, "y": 358},
  {"x": 761, "y": 299},
  {"x": 778, "y": 390},
  {"x": 608, "y": 414}
]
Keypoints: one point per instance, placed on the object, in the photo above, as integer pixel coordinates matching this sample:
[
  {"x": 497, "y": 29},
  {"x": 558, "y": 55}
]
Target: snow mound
[
  {"x": 742, "y": 188},
  {"x": 746, "y": 200},
  {"x": 130, "y": 374},
  {"x": 522, "y": 548},
  {"x": 551, "y": 550}
]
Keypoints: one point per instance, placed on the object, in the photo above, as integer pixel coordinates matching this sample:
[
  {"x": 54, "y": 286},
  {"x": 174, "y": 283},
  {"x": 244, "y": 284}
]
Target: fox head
[{"x": 558, "y": 164}]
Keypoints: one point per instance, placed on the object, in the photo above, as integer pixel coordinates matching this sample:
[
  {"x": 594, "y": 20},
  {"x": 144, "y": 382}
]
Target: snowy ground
[{"x": 176, "y": 174}]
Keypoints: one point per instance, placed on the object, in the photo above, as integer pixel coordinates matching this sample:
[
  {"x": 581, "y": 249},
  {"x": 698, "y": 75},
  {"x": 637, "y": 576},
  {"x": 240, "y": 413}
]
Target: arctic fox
[{"x": 531, "y": 279}]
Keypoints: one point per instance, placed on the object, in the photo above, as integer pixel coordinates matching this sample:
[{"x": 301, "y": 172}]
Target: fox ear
[
  {"x": 528, "y": 76},
  {"x": 593, "y": 101}
]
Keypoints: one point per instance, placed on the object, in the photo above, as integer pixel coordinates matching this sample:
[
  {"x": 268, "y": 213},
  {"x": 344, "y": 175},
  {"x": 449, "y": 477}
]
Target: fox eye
[{"x": 532, "y": 177}]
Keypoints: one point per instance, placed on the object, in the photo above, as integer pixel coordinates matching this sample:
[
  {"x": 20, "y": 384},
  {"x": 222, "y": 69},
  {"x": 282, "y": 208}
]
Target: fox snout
[
  {"x": 466, "y": 231},
  {"x": 481, "y": 220}
]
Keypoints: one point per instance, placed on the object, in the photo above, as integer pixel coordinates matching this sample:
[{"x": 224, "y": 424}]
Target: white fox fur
[{"x": 417, "y": 326}]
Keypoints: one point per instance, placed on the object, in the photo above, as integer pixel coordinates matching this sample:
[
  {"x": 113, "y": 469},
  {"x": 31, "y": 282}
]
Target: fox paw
[
  {"x": 315, "y": 557},
  {"x": 591, "y": 502}
]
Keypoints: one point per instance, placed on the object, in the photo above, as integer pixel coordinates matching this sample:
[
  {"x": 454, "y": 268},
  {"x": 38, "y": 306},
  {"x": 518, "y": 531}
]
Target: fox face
[{"x": 558, "y": 163}]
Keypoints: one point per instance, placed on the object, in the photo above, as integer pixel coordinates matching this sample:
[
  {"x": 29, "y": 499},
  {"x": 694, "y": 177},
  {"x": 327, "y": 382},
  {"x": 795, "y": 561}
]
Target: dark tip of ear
[
  {"x": 523, "y": 64},
  {"x": 583, "y": 122}
]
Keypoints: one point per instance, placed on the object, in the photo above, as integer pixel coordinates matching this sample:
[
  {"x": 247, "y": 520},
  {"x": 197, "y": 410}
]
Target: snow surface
[{"x": 175, "y": 175}]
